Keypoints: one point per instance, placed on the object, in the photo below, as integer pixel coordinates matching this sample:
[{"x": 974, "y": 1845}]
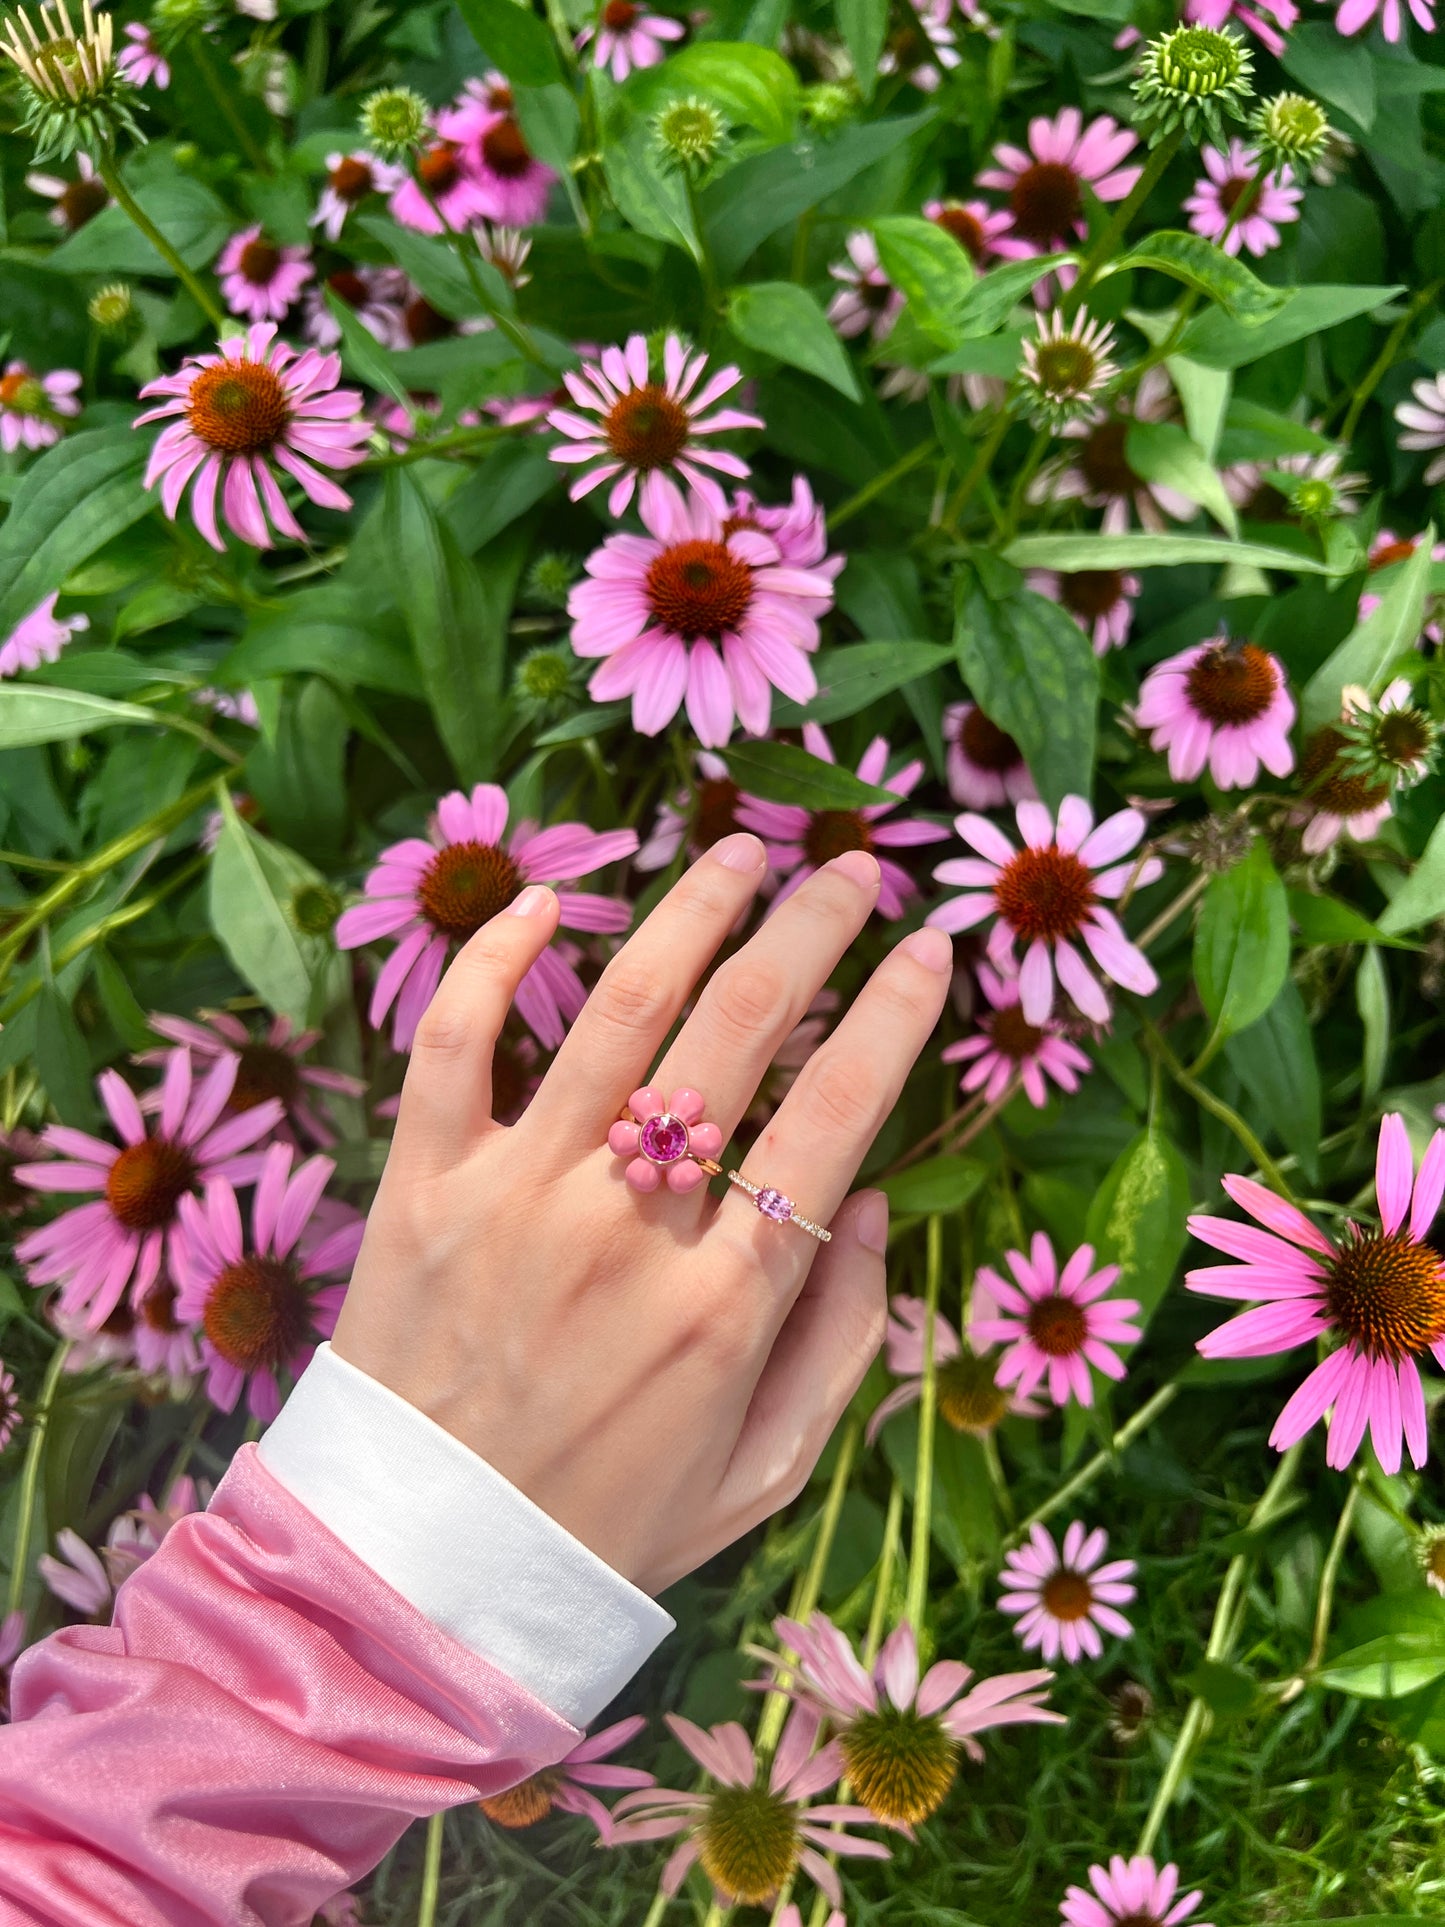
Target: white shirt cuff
[{"x": 458, "y": 1541}]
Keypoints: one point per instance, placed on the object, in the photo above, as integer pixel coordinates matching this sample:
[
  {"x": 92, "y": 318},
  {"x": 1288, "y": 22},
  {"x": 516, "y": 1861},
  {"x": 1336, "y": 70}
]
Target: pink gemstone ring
[
  {"x": 781, "y": 1210},
  {"x": 666, "y": 1139}
]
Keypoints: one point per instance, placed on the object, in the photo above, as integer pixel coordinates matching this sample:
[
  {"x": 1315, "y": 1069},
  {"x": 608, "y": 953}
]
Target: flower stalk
[
  {"x": 123, "y": 198},
  {"x": 916, "y": 1608},
  {"x": 30, "y": 1477}
]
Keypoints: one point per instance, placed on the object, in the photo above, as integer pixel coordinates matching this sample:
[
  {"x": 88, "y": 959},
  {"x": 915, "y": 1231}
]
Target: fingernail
[
  {"x": 858, "y": 866},
  {"x": 932, "y": 948},
  {"x": 872, "y": 1221},
  {"x": 532, "y": 900},
  {"x": 739, "y": 852}
]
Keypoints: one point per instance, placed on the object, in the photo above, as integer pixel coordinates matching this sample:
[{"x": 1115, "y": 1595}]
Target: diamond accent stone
[
  {"x": 663, "y": 1139},
  {"x": 774, "y": 1205}
]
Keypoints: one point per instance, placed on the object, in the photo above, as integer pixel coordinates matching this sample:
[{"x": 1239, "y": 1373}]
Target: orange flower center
[
  {"x": 1104, "y": 464},
  {"x": 466, "y": 885},
  {"x": 1013, "y": 1034},
  {"x": 1057, "y": 1326},
  {"x": 258, "y": 1314},
  {"x": 965, "y": 228},
  {"x": 146, "y": 1182},
  {"x": 646, "y": 428},
  {"x": 988, "y": 746},
  {"x": 1067, "y": 1594},
  {"x": 523, "y": 1805},
  {"x": 81, "y": 202},
  {"x": 831, "y": 832},
  {"x": 1229, "y": 685},
  {"x": 21, "y": 393},
  {"x": 1388, "y": 1294},
  {"x": 698, "y": 589},
  {"x": 238, "y": 407},
  {"x": 504, "y": 150},
  {"x": 714, "y": 811},
  {"x": 1331, "y": 788},
  {"x": 1044, "y": 894},
  {"x": 619, "y": 15},
  {"x": 1091, "y": 593},
  {"x": 1045, "y": 202},
  {"x": 350, "y": 180},
  {"x": 440, "y": 167},
  {"x": 967, "y": 1396},
  {"x": 158, "y": 1308},
  {"x": 263, "y": 1072},
  {"x": 1391, "y": 553}
]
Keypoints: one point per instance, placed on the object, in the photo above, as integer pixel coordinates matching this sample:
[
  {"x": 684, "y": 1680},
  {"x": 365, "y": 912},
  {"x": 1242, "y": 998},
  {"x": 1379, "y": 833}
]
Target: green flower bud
[
  {"x": 112, "y": 308},
  {"x": 71, "y": 95},
  {"x": 1291, "y": 131},
  {"x": 314, "y": 909},
  {"x": 830, "y": 104},
  {"x": 547, "y": 683},
  {"x": 395, "y": 121},
  {"x": 689, "y": 134},
  {"x": 550, "y": 580},
  {"x": 1191, "y": 79}
]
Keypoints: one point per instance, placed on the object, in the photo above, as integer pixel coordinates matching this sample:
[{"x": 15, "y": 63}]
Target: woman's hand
[{"x": 657, "y": 1372}]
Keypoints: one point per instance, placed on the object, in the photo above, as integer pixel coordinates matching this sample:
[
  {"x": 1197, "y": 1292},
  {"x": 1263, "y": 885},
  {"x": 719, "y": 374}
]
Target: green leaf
[
  {"x": 936, "y": 1185},
  {"x": 333, "y": 631},
  {"x": 1372, "y": 1001},
  {"x": 864, "y": 27},
  {"x": 1374, "y": 646},
  {"x": 1241, "y": 944},
  {"x": 1136, "y": 1219},
  {"x": 428, "y": 261},
  {"x": 1200, "y": 264},
  {"x": 783, "y": 773},
  {"x": 1205, "y": 395},
  {"x": 1164, "y": 452},
  {"x": 362, "y": 355},
  {"x": 62, "y": 1060},
  {"x": 988, "y": 304},
  {"x": 549, "y": 122},
  {"x": 514, "y": 477},
  {"x": 190, "y": 216},
  {"x": 299, "y": 780},
  {"x": 1221, "y": 342},
  {"x": 781, "y": 319},
  {"x": 853, "y": 678},
  {"x": 1388, "y": 1667},
  {"x": 1275, "y": 1062},
  {"x": 71, "y": 502},
  {"x": 651, "y": 198},
  {"x": 752, "y": 85},
  {"x": 1033, "y": 673},
  {"x": 33, "y": 713},
  {"x": 1324, "y": 919},
  {"x": 1227, "y": 1689},
  {"x": 1340, "y": 71},
  {"x": 516, "y": 39},
  {"x": 441, "y": 599},
  {"x": 1420, "y": 898},
  {"x": 929, "y": 268},
  {"x": 253, "y": 885},
  {"x": 1068, "y": 552}
]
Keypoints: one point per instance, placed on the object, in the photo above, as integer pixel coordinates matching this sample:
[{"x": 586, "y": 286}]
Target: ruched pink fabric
[{"x": 254, "y": 1730}]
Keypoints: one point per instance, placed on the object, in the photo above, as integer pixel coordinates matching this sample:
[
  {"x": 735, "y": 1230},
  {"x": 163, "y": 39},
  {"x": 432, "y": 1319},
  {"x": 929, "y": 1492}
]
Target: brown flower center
[
  {"x": 831, "y": 832},
  {"x": 699, "y": 589},
  {"x": 21, "y": 392},
  {"x": 1091, "y": 593},
  {"x": 619, "y": 15},
  {"x": 749, "y": 1843},
  {"x": 146, "y": 1182},
  {"x": 424, "y": 323},
  {"x": 1388, "y": 1294},
  {"x": 440, "y": 167},
  {"x": 1057, "y": 1325},
  {"x": 81, "y": 202},
  {"x": 1241, "y": 192},
  {"x": 1402, "y": 736},
  {"x": 1044, "y": 894},
  {"x": 900, "y": 1766},
  {"x": 348, "y": 285},
  {"x": 238, "y": 407},
  {"x": 1067, "y": 1594},
  {"x": 466, "y": 885},
  {"x": 263, "y": 1072},
  {"x": 259, "y": 262},
  {"x": 646, "y": 428},
  {"x": 1391, "y": 553},
  {"x": 1104, "y": 463},
  {"x": 258, "y": 1315},
  {"x": 350, "y": 180},
  {"x": 504, "y": 150},
  {"x": 967, "y": 1396},
  {"x": 1139, "y": 1920},
  {"x": 1013, "y": 1034},
  {"x": 714, "y": 811},
  {"x": 988, "y": 746},
  {"x": 1045, "y": 202},
  {"x": 158, "y": 1308},
  {"x": 1435, "y": 1560},
  {"x": 523, "y": 1805},
  {"x": 965, "y": 228},
  {"x": 1232, "y": 685},
  {"x": 1331, "y": 788}
]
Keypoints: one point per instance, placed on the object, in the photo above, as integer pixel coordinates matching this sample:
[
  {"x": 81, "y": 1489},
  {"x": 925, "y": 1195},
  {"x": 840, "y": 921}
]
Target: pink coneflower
[
  {"x": 926, "y": 47},
  {"x": 507, "y": 248},
  {"x": 510, "y": 185},
  {"x": 34, "y": 408},
  {"x": 1283, "y": 14},
  {"x": 1355, "y": 15},
  {"x": 623, "y": 424},
  {"x": 1379, "y": 1294},
  {"x": 900, "y": 1735},
  {"x": 76, "y": 201},
  {"x": 432, "y": 895},
  {"x": 1063, "y": 1599},
  {"x": 376, "y": 296},
  {"x": 260, "y": 280},
  {"x": 443, "y": 193},
  {"x": 159, "y": 1342},
  {"x": 868, "y": 302},
  {"x": 1423, "y": 419},
  {"x": 1335, "y": 799},
  {"x": 1098, "y": 473},
  {"x": 38, "y": 637},
  {"x": 800, "y": 841},
  {"x": 564, "y": 1788},
  {"x": 350, "y": 179},
  {"x": 698, "y": 817},
  {"x": 1386, "y": 551},
  {"x": 142, "y": 63},
  {"x": 1223, "y": 703},
  {"x": 9, "y": 1406},
  {"x": 1214, "y": 208},
  {"x": 254, "y": 403},
  {"x": 96, "y": 1250},
  {"x": 1046, "y": 896},
  {"x": 75, "y": 1574},
  {"x": 755, "y": 1829},
  {"x": 970, "y": 1399},
  {"x": 261, "y": 1307},
  {"x": 87, "y": 1580},
  {"x": 973, "y": 224},
  {"x": 627, "y": 37},
  {"x": 1133, "y": 1893},
  {"x": 237, "y": 705},
  {"x": 692, "y": 613},
  {"x": 1008, "y": 1046},
  {"x": 798, "y": 526},
  {"x": 270, "y": 1065},
  {"x": 1099, "y": 600},
  {"x": 986, "y": 767},
  {"x": 1045, "y": 184},
  {"x": 1056, "y": 1324}
]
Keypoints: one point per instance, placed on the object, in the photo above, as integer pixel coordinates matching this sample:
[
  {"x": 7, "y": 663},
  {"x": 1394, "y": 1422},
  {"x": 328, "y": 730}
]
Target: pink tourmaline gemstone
[
  {"x": 774, "y": 1205},
  {"x": 663, "y": 1139}
]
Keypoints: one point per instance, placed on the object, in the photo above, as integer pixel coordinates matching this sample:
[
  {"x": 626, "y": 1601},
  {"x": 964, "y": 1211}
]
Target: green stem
[
  {"x": 1329, "y": 1576},
  {"x": 887, "y": 1565},
  {"x": 1101, "y": 1461},
  {"x": 30, "y": 1477},
  {"x": 1192, "y": 296},
  {"x": 658, "y": 1908},
  {"x": 1118, "y": 224},
  {"x": 470, "y": 256},
  {"x": 221, "y": 94},
  {"x": 462, "y": 441},
  {"x": 1190, "y": 894},
  {"x": 1217, "y": 1107},
  {"x": 1037, "y": 450},
  {"x": 431, "y": 1873},
  {"x": 712, "y": 306},
  {"x": 124, "y": 199},
  {"x": 1385, "y": 359},
  {"x": 918, "y": 1559},
  {"x": 982, "y": 462},
  {"x": 924, "y": 451}
]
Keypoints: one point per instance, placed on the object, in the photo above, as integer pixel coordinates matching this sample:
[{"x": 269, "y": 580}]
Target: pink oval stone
[
  {"x": 774, "y": 1205},
  {"x": 663, "y": 1139}
]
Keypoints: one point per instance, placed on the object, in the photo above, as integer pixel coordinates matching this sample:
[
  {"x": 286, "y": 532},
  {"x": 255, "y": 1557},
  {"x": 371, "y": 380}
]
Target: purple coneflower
[
  {"x": 1423, "y": 420},
  {"x": 986, "y": 767},
  {"x": 970, "y": 1399},
  {"x": 34, "y": 408},
  {"x": 868, "y": 302},
  {"x": 142, "y": 63},
  {"x": 1062, "y": 1598},
  {"x": 76, "y": 201},
  {"x": 565, "y": 1787},
  {"x": 350, "y": 179},
  {"x": 376, "y": 296},
  {"x": 259, "y": 280},
  {"x": 1045, "y": 184},
  {"x": 1229, "y": 206},
  {"x": 1132, "y": 1893},
  {"x": 628, "y": 37},
  {"x": 1224, "y": 703},
  {"x": 1098, "y": 472},
  {"x": 38, "y": 637},
  {"x": 1055, "y": 1324},
  {"x": 1008, "y": 1046},
  {"x": 1355, "y": 15},
  {"x": 269, "y": 1065},
  {"x": 973, "y": 224}
]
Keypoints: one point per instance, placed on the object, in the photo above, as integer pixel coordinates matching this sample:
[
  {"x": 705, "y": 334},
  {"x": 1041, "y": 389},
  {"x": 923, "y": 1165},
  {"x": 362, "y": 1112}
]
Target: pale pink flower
[
  {"x": 1386, "y": 551},
  {"x": 432, "y": 895},
  {"x": 135, "y": 1535},
  {"x": 260, "y": 280},
  {"x": 38, "y": 637},
  {"x": 1007, "y": 1046},
  {"x": 350, "y": 178},
  {"x": 376, "y": 296},
  {"x": 1132, "y": 1893},
  {"x": 510, "y": 185},
  {"x": 800, "y": 841},
  {"x": 1099, "y": 600},
  {"x": 566, "y": 1787},
  {"x": 76, "y": 201},
  {"x": 1047, "y": 896},
  {"x": 231, "y": 415},
  {"x": 624, "y": 425},
  {"x": 790, "y": 1057},
  {"x": 271, "y": 1064},
  {"x": 96, "y": 1250},
  {"x": 1223, "y": 703},
  {"x": 142, "y": 63},
  {"x": 507, "y": 248},
  {"x": 34, "y": 408},
  {"x": 159, "y": 1343},
  {"x": 1098, "y": 472},
  {"x": 1380, "y": 1295},
  {"x": 804, "y": 1834},
  {"x": 627, "y": 37},
  {"x": 75, "y": 1574},
  {"x": 692, "y": 613},
  {"x": 444, "y": 193},
  {"x": 973, "y": 224},
  {"x": 1229, "y": 178},
  {"x": 1251, "y": 14},
  {"x": 1045, "y": 184},
  {"x": 1062, "y": 1598},
  {"x": 237, "y": 705},
  {"x": 9, "y": 1406},
  {"x": 1355, "y": 15},
  {"x": 868, "y": 302},
  {"x": 970, "y": 1399},
  {"x": 1423, "y": 419},
  {"x": 261, "y": 1305},
  {"x": 1056, "y": 1323},
  {"x": 927, "y": 47},
  {"x": 986, "y": 768},
  {"x": 799, "y": 526}
]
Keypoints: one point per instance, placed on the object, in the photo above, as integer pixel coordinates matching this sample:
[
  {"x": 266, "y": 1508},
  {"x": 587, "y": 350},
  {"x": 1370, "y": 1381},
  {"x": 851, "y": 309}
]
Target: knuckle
[
  {"x": 910, "y": 995},
  {"x": 838, "y": 1098},
  {"x": 750, "y": 995},
  {"x": 630, "y": 997},
  {"x": 444, "y": 1032}
]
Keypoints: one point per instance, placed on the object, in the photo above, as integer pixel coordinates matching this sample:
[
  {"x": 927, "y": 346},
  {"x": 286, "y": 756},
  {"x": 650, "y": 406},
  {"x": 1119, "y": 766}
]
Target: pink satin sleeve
[{"x": 258, "y": 1725}]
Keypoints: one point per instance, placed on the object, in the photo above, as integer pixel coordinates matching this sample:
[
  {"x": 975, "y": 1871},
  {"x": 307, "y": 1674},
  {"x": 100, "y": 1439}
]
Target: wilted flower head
[
  {"x": 395, "y": 121},
  {"x": 9, "y": 1406},
  {"x": 1291, "y": 131},
  {"x": 1191, "y": 78},
  {"x": 1065, "y": 366},
  {"x": 72, "y": 94},
  {"x": 1387, "y": 737}
]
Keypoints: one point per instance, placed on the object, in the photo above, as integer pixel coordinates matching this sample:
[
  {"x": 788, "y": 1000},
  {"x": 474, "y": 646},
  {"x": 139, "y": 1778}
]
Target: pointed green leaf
[
  {"x": 928, "y": 267},
  {"x": 854, "y": 677},
  {"x": 783, "y": 773},
  {"x": 1200, "y": 264},
  {"x": 1136, "y": 1220},
  {"x": 1164, "y": 452},
  {"x": 34, "y": 713},
  {"x": 253, "y": 886},
  {"x": 518, "y": 40},
  {"x": 1420, "y": 899},
  {"x": 781, "y": 319},
  {"x": 1069, "y": 552},
  {"x": 1241, "y": 944},
  {"x": 69, "y": 503},
  {"x": 1032, "y": 671},
  {"x": 1374, "y": 646}
]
